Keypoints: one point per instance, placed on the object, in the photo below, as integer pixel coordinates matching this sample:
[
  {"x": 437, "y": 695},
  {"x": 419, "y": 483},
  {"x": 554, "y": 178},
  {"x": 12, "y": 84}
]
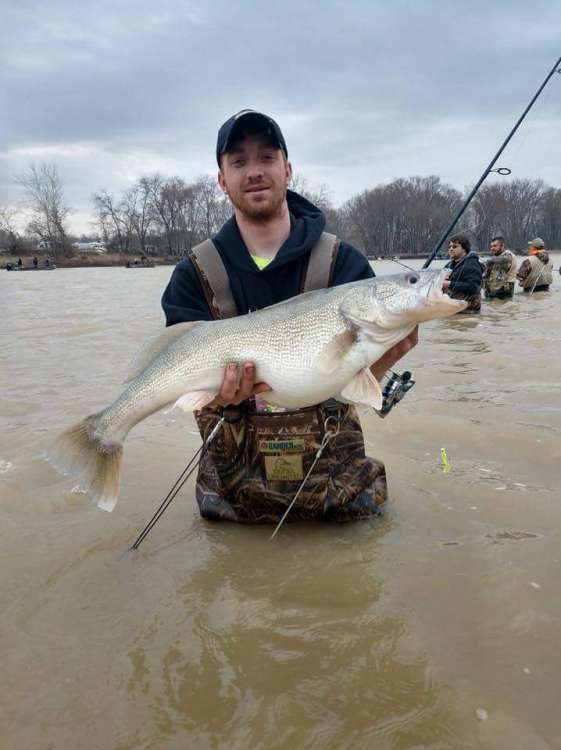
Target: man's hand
[
  {"x": 394, "y": 354},
  {"x": 445, "y": 285},
  {"x": 232, "y": 392}
]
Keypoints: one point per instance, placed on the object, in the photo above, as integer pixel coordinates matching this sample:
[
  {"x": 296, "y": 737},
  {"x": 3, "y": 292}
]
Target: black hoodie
[
  {"x": 253, "y": 289},
  {"x": 465, "y": 280},
  {"x": 466, "y": 276}
]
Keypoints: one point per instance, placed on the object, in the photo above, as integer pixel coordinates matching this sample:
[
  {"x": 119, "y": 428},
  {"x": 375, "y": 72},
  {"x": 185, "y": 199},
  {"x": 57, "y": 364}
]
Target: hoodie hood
[
  {"x": 455, "y": 263},
  {"x": 307, "y": 222}
]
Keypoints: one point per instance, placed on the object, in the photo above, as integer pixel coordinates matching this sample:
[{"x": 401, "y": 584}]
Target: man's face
[
  {"x": 496, "y": 247},
  {"x": 255, "y": 175},
  {"x": 455, "y": 251}
]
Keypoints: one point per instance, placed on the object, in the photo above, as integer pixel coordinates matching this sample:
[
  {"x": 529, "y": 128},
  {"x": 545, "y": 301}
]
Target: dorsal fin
[{"x": 156, "y": 345}]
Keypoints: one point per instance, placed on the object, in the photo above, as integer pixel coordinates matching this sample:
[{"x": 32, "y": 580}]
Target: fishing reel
[{"x": 394, "y": 390}]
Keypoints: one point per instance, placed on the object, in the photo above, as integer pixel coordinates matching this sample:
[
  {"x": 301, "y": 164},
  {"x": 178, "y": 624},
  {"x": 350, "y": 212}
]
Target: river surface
[{"x": 438, "y": 627}]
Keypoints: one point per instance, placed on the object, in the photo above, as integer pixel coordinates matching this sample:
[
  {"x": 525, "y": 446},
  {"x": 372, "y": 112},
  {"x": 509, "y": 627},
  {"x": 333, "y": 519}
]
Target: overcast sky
[{"x": 364, "y": 91}]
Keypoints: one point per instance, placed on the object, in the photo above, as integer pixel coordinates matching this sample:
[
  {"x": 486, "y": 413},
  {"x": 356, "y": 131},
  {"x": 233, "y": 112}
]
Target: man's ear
[
  {"x": 222, "y": 183},
  {"x": 288, "y": 171}
]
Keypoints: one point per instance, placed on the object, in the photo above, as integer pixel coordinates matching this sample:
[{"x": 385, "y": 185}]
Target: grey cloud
[{"x": 408, "y": 87}]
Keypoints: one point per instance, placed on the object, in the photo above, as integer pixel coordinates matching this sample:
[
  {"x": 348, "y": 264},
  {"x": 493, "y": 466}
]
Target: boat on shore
[
  {"x": 140, "y": 264},
  {"x": 15, "y": 267}
]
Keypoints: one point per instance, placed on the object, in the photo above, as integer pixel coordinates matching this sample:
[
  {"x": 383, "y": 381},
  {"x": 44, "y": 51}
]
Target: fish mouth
[{"x": 437, "y": 297}]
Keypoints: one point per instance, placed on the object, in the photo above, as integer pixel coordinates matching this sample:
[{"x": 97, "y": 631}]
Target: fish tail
[{"x": 97, "y": 463}]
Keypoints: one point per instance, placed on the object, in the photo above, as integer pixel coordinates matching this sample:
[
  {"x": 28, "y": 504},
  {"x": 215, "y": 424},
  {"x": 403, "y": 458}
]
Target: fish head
[{"x": 408, "y": 298}]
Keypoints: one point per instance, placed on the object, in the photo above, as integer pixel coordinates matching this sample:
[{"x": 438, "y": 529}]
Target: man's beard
[{"x": 269, "y": 209}]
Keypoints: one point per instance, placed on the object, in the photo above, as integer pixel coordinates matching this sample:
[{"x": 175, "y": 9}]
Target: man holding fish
[
  {"x": 278, "y": 329},
  {"x": 265, "y": 249}
]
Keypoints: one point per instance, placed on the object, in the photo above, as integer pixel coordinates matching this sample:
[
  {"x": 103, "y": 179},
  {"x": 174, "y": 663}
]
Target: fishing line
[
  {"x": 400, "y": 264},
  {"x": 472, "y": 229},
  {"x": 178, "y": 484}
]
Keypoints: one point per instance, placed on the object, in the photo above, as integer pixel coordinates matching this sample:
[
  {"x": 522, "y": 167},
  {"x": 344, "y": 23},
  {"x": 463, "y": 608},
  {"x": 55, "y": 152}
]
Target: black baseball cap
[{"x": 255, "y": 121}]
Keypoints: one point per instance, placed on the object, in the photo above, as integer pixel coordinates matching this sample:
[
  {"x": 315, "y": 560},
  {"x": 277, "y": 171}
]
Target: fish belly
[{"x": 296, "y": 388}]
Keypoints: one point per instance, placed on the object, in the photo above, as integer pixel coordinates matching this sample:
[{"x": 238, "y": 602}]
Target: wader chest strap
[
  {"x": 216, "y": 284},
  {"x": 214, "y": 280},
  {"x": 321, "y": 263}
]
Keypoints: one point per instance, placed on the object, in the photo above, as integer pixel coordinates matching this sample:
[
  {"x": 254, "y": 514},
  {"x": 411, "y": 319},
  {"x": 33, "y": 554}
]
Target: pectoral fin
[
  {"x": 363, "y": 389},
  {"x": 332, "y": 353},
  {"x": 194, "y": 400}
]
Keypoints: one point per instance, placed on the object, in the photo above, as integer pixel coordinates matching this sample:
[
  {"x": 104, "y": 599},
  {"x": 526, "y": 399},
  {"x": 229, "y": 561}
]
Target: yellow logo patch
[{"x": 286, "y": 468}]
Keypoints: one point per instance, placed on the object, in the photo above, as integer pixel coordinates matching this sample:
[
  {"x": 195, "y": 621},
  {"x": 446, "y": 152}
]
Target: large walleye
[{"x": 308, "y": 349}]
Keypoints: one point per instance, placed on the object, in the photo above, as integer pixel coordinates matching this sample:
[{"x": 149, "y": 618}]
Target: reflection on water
[
  {"x": 435, "y": 627},
  {"x": 288, "y": 648}
]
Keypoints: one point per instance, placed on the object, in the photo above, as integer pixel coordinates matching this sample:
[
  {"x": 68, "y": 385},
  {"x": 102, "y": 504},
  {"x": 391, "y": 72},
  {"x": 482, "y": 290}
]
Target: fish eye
[{"x": 413, "y": 278}]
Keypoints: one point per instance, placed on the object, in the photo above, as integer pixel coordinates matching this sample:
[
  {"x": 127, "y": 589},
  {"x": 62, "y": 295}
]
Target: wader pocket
[{"x": 281, "y": 449}]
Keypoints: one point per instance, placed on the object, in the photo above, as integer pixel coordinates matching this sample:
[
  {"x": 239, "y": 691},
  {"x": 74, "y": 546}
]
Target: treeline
[
  {"x": 407, "y": 217},
  {"x": 158, "y": 215},
  {"x": 165, "y": 216}
]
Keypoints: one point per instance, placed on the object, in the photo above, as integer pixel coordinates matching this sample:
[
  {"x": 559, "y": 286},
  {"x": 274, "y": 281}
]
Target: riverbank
[{"x": 90, "y": 260}]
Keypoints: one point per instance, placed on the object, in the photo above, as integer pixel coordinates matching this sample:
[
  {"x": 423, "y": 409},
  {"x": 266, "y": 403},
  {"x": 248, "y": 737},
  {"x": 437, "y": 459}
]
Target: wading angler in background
[
  {"x": 466, "y": 273},
  {"x": 535, "y": 273},
  {"x": 500, "y": 271},
  {"x": 274, "y": 247}
]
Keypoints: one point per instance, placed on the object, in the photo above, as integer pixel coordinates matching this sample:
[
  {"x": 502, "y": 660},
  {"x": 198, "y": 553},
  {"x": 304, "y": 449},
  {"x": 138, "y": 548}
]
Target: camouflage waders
[
  {"x": 255, "y": 465},
  {"x": 257, "y": 461},
  {"x": 500, "y": 276},
  {"x": 535, "y": 273},
  {"x": 505, "y": 292},
  {"x": 473, "y": 300}
]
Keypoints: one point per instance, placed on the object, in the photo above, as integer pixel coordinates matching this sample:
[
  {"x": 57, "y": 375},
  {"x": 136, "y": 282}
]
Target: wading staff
[
  {"x": 503, "y": 171},
  {"x": 537, "y": 279}
]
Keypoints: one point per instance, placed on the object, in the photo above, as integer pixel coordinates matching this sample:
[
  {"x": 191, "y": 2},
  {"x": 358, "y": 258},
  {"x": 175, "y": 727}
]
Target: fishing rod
[
  {"x": 178, "y": 484},
  {"x": 489, "y": 169}
]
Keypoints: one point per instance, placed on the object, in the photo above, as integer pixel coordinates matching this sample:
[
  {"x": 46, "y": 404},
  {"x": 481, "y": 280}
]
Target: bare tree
[
  {"x": 403, "y": 217},
  {"x": 44, "y": 194},
  {"x": 316, "y": 194},
  {"x": 113, "y": 222},
  {"x": 512, "y": 209},
  {"x": 10, "y": 238},
  {"x": 175, "y": 210},
  {"x": 213, "y": 208},
  {"x": 320, "y": 196},
  {"x": 139, "y": 209},
  {"x": 551, "y": 217}
]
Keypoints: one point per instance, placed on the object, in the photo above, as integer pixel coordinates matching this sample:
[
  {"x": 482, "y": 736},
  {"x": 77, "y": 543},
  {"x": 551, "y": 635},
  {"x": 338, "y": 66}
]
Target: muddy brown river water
[{"x": 438, "y": 627}]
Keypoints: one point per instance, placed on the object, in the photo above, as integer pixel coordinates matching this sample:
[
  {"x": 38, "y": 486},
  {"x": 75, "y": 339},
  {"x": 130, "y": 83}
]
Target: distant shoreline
[
  {"x": 90, "y": 260},
  {"x": 116, "y": 260}
]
